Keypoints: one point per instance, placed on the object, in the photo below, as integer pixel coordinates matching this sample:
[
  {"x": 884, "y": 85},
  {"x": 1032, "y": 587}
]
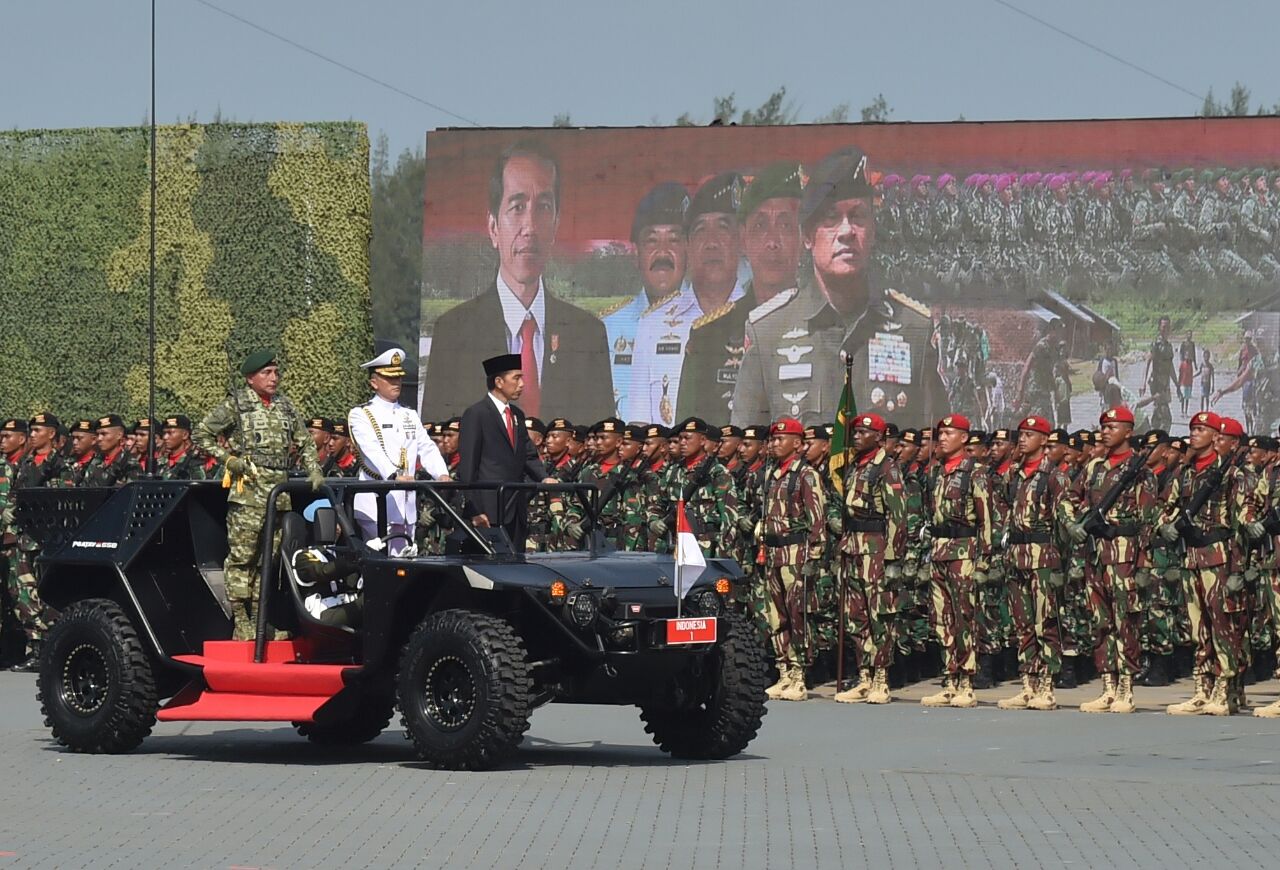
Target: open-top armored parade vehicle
[{"x": 466, "y": 645}]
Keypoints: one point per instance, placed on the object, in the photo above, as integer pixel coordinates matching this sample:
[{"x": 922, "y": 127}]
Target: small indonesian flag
[{"x": 688, "y": 553}]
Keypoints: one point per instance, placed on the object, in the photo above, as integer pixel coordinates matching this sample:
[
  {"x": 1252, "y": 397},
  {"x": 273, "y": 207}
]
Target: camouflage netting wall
[{"x": 262, "y": 241}]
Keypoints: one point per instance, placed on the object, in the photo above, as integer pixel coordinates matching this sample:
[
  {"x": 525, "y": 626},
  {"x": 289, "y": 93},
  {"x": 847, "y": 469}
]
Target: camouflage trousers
[
  {"x": 1259, "y": 631},
  {"x": 952, "y": 614},
  {"x": 1158, "y": 613},
  {"x": 1033, "y": 603},
  {"x": 1076, "y": 620},
  {"x": 786, "y": 604},
  {"x": 1215, "y": 622},
  {"x": 753, "y": 597},
  {"x": 824, "y": 627},
  {"x": 992, "y": 625},
  {"x": 1117, "y": 618},
  {"x": 31, "y": 614},
  {"x": 243, "y": 565},
  {"x": 869, "y": 609}
]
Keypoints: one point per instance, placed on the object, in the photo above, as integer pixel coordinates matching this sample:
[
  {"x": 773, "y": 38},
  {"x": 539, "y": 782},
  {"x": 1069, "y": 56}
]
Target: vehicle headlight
[
  {"x": 582, "y": 609},
  {"x": 705, "y": 602}
]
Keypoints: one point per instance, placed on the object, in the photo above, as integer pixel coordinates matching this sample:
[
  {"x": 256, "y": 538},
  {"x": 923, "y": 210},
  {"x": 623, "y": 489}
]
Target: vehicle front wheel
[
  {"x": 96, "y": 688},
  {"x": 713, "y": 709},
  {"x": 465, "y": 690}
]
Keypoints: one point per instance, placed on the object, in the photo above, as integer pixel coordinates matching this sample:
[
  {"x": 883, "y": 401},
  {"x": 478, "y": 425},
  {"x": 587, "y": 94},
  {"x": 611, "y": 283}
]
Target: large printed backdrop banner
[
  {"x": 991, "y": 269},
  {"x": 262, "y": 241}
]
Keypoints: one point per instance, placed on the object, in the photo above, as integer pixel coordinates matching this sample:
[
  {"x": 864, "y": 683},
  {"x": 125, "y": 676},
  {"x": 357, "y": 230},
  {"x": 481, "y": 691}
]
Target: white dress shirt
[{"x": 514, "y": 314}]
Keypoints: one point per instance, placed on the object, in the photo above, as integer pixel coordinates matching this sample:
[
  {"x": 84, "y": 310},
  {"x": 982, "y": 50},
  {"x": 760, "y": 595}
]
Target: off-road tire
[
  {"x": 370, "y": 719},
  {"x": 465, "y": 690},
  {"x": 95, "y": 687},
  {"x": 716, "y": 714}
]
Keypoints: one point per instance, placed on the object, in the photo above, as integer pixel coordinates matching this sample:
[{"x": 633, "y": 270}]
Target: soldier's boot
[
  {"x": 1218, "y": 703},
  {"x": 1271, "y": 711},
  {"x": 1023, "y": 698},
  {"x": 1158, "y": 673},
  {"x": 1044, "y": 699},
  {"x": 1194, "y": 705},
  {"x": 857, "y": 693},
  {"x": 964, "y": 698},
  {"x": 943, "y": 698},
  {"x": 985, "y": 678},
  {"x": 1066, "y": 678},
  {"x": 31, "y": 663},
  {"x": 796, "y": 689},
  {"x": 1124, "y": 695},
  {"x": 1102, "y": 703},
  {"x": 879, "y": 693},
  {"x": 784, "y": 677}
]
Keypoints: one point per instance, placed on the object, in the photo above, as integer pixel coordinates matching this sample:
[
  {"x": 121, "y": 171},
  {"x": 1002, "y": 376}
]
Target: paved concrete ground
[{"x": 825, "y": 785}]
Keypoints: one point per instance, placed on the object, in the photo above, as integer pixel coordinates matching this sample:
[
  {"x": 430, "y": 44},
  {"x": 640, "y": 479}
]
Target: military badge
[{"x": 555, "y": 346}]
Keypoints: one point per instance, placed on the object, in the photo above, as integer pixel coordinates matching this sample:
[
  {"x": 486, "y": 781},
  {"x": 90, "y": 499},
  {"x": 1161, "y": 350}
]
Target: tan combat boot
[
  {"x": 943, "y": 698},
  {"x": 1271, "y": 711},
  {"x": 1194, "y": 705},
  {"x": 1124, "y": 696},
  {"x": 857, "y": 693},
  {"x": 1023, "y": 698},
  {"x": 795, "y": 690},
  {"x": 784, "y": 677},
  {"x": 1218, "y": 704},
  {"x": 964, "y": 698},
  {"x": 1044, "y": 699},
  {"x": 1102, "y": 703},
  {"x": 879, "y": 693}
]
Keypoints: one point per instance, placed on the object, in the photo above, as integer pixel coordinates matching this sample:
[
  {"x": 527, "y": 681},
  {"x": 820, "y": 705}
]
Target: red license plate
[{"x": 699, "y": 630}]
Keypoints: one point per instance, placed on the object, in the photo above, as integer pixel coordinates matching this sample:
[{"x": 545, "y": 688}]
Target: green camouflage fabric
[
  {"x": 994, "y": 626},
  {"x": 712, "y": 505},
  {"x": 265, "y": 435},
  {"x": 912, "y": 631},
  {"x": 620, "y": 486},
  {"x": 1162, "y": 599},
  {"x": 33, "y": 616},
  {"x": 875, "y": 533},
  {"x": 546, "y": 532},
  {"x": 793, "y": 531},
  {"x": 960, "y": 502},
  {"x": 824, "y": 591},
  {"x": 116, "y": 471},
  {"x": 187, "y": 466}
]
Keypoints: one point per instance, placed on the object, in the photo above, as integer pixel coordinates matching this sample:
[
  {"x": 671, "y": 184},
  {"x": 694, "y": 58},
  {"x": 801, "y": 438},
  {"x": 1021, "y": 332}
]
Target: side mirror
[{"x": 325, "y": 526}]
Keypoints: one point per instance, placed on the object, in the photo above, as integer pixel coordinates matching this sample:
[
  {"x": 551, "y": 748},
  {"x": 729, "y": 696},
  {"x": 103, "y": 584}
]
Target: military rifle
[
  {"x": 1094, "y": 521},
  {"x": 1201, "y": 496}
]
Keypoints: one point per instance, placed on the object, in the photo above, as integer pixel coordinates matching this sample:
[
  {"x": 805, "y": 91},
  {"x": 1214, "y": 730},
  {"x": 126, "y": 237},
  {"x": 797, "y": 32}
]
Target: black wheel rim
[
  {"x": 451, "y": 694},
  {"x": 85, "y": 680}
]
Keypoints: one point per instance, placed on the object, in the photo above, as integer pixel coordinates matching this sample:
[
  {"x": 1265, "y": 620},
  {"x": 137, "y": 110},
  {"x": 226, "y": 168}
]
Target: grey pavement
[{"x": 825, "y": 785}]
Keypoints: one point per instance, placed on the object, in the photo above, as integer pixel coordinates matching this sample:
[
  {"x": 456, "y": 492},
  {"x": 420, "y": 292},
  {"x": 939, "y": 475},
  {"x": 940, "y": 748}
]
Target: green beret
[
  {"x": 1208, "y": 176},
  {"x": 1237, "y": 176},
  {"x": 257, "y": 361},
  {"x": 779, "y": 180}
]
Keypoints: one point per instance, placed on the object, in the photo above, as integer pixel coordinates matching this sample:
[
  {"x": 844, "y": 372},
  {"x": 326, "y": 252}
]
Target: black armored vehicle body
[{"x": 465, "y": 644}]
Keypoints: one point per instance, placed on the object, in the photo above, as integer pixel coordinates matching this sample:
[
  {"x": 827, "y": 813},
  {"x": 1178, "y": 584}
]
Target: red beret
[
  {"x": 1205, "y": 418},
  {"x": 869, "y": 421},
  {"x": 787, "y": 426},
  {"x": 1230, "y": 426},
  {"x": 1118, "y": 414},
  {"x": 954, "y": 421},
  {"x": 1036, "y": 424}
]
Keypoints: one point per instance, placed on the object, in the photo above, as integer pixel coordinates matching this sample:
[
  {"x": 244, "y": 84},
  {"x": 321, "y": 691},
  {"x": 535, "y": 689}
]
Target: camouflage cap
[
  {"x": 781, "y": 180},
  {"x": 665, "y": 204}
]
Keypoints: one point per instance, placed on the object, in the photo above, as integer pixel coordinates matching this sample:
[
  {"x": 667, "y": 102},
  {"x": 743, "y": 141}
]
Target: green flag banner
[{"x": 840, "y": 440}]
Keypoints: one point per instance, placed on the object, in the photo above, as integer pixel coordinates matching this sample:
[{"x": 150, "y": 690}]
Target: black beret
[
  {"x": 634, "y": 432},
  {"x": 110, "y": 420},
  {"x": 665, "y": 203},
  {"x": 732, "y": 432},
  {"x": 559, "y": 424},
  {"x": 757, "y": 432},
  {"x": 45, "y": 419},
  {"x": 653, "y": 430},
  {"x": 818, "y": 432},
  {"x": 1058, "y": 436},
  {"x": 581, "y": 433},
  {"x": 977, "y": 436},
  {"x": 501, "y": 364},
  {"x": 698, "y": 425},
  {"x": 721, "y": 194},
  {"x": 453, "y": 424},
  {"x": 14, "y": 426},
  {"x": 911, "y": 436},
  {"x": 781, "y": 180},
  {"x": 182, "y": 421},
  {"x": 891, "y": 430},
  {"x": 1156, "y": 436},
  {"x": 340, "y": 428},
  {"x": 1001, "y": 435},
  {"x": 322, "y": 423},
  {"x": 257, "y": 361},
  {"x": 535, "y": 425},
  {"x": 84, "y": 426},
  {"x": 608, "y": 425},
  {"x": 840, "y": 175}
]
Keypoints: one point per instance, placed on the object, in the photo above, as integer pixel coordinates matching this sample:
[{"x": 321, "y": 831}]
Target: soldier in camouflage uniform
[
  {"x": 1040, "y": 501},
  {"x": 792, "y": 535},
  {"x": 655, "y": 467},
  {"x": 1215, "y": 592},
  {"x": 705, "y": 486},
  {"x": 342, "y": 459},
  {"x": 1037, "y": 388},
  {"x": 83, "y": 450},
  {"x": 1158, "y": 599},
  {"x": 114, "y": 465},
  {"x": 1267, "y": 506},
  {"x": 872, "y": 543},
  {"x": 752, "y": 483},
  {"x": 993, "y": 625},
  {"x": 544, "y": 510},
  {"x": 617, "y": 481},
  {"x": 261, "y": 426},
  {"x": 823, "y": 628},
  {"x": 1117, "y": 568},
  {"x": 181, "y": 461},
  {"x": 960, "y": 513},
  {"x": 1258, "y": 556},
  {"x": 911, "y": 625}
]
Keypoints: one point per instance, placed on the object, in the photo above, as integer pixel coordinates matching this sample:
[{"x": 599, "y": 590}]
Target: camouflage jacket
[
  {"x": 961, "y": 513},
  {"x": 77, "y": 468},
  {"x": 6, "y": 501},
  {"x": 618, "y": 485},
  {"x": 1041, "y": 503},
  {"x": 793, "y": 529},
  {"x": 51, "y": 471},
  {"x": 875, "y": 497},
  {"x": 711, "y": 504},
  {"x": 121, "y": 469},
  {"x": 1134, "y": 511},
  {"x": 265, "y": 434},
  {"x": 186, "y": 466},
  {"x": 1266, "y": 509},
  {"x": 1231, "y": 503}
]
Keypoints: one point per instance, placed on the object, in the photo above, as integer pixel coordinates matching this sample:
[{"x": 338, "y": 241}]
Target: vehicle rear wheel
[
  {"x": 713, "y": 709},
  {"x": 96, "y": 688},
  {"x": 369, "y": 718},
  {"x": 465, "y": 690}
]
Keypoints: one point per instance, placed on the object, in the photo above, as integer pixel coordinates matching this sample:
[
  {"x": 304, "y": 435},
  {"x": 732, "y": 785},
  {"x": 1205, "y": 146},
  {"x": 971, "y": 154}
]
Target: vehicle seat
[{"x": 295, "y": 535}]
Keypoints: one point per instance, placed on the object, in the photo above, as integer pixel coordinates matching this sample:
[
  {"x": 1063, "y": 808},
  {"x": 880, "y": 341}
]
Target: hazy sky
[{"x": 72, "y": 63}]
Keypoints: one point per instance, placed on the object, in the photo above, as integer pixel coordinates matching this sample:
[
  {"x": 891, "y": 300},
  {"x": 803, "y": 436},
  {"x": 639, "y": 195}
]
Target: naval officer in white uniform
[{"x": 391, "y": 443}]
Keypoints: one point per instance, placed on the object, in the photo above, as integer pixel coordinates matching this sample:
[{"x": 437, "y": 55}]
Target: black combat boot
[
  {"x": 1009, "y": 664},
  {"x": 1066, "y": 678},
  {"x": 1157, "y": 672},
  {"x": 1182, "y": 662},
  {"x": 31, "y": 663},
  {"x": 985, "y": 678}
]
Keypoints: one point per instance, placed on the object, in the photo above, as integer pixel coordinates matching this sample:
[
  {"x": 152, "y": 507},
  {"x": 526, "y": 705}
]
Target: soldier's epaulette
[
  {"x": 772, "y": 305},
  {"x": 616, "y": 307},
  {"x": 713, "y": 315},
  {"x": 914, "y": 304},
  {"x": 661, "y": 302}
]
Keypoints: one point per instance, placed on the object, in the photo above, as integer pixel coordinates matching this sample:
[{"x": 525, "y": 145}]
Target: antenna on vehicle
[{"x": 151, "y": 278}]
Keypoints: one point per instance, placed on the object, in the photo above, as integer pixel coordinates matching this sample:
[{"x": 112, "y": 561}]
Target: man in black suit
[
  {"x": 563, "y": 349},
  {"x": 494, "y": 446}
]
